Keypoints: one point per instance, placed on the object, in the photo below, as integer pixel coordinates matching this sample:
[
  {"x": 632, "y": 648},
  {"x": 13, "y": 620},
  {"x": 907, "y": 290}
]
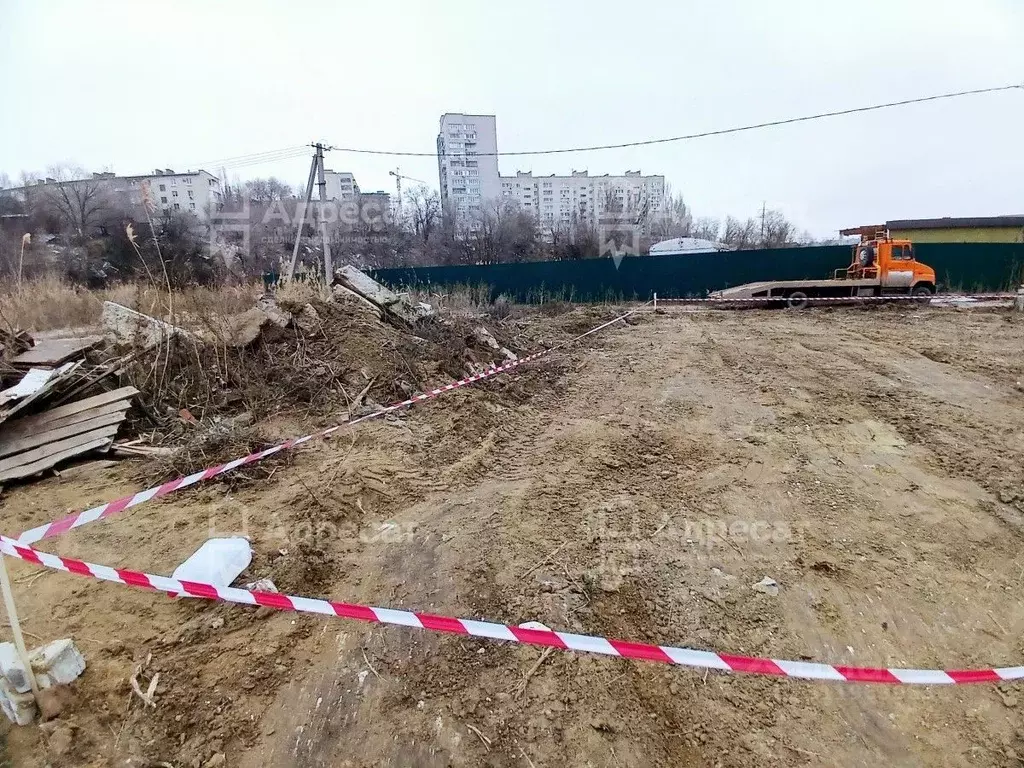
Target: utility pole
[
  {"x": 322, "y": 183},
  {"x": 764, "y": 206},
  {"x": 302, "y": 216}
]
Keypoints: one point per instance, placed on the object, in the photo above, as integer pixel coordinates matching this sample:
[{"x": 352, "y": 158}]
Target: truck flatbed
[{"x": 783, "y": 288}]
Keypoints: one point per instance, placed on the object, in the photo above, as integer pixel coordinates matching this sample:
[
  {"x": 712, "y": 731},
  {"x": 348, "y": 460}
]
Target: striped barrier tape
[
  {"x": 840, "y": 299},
  {"x": 78, "y": 519},
  {"x": 567, "y": 641}
]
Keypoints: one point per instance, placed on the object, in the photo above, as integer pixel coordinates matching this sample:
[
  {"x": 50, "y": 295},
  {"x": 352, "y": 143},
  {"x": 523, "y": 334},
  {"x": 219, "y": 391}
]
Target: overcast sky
[{"x": 130, "y": 86}]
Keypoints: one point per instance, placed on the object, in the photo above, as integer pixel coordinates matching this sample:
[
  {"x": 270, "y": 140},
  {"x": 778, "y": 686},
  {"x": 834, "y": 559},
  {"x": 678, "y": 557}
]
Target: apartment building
[
  {"x": 467, "y": 166},
  {"x": 340, "y": 185},
  {"x": 558, "y": 201},
  {"x": 195, "y": 192}
]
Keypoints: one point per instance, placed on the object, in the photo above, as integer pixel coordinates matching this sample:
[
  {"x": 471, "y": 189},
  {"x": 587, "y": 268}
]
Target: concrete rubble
[
  {"x": 398, "y": 305},
  {"x": 485, "y": 337},
  {"x": 56, "y": 663},
  {"x": 127, "y": 326}
]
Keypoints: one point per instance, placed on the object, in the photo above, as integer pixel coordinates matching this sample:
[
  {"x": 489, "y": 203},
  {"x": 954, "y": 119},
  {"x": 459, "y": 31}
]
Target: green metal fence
[{"x": 958, "y": 266}]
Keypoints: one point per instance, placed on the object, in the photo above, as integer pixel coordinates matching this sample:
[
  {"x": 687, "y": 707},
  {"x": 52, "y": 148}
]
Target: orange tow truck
[{"x": 881, "y": 266}]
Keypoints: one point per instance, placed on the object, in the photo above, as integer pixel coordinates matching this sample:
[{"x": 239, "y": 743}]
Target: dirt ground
[{"x": 871, "y": 462}]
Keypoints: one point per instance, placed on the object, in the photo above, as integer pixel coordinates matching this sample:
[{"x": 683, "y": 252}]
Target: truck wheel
[
  {"x": 923, "y": 293},
  {"x": 797, "y": 300}
]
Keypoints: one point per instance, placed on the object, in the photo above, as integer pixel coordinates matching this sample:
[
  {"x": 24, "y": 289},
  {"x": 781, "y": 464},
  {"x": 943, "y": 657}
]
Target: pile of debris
[
  {"x": 56, "y": 407},
  {"x": 189, "y": 389},
  {"x": 54, "y": 665}
]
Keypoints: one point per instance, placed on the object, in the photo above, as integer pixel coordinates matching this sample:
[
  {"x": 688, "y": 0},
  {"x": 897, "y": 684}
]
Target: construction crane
[{"x": 397, "y": 173}]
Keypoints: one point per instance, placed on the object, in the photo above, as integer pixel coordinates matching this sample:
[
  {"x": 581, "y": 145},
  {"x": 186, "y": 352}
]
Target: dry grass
[{"x": 49, "y": 302}]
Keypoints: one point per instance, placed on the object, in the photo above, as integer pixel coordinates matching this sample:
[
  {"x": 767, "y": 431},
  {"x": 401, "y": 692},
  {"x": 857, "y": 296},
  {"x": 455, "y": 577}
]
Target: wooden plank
[
  {"x": 87, "y": 403},
  {"x": 27, "y": 470},
  {"x": 62, "y": 373},
  {"x": 56, "y": 351},
  {"x": 12, "y": 447},
  {"x": 31, "y": 425},
  {"x": 36, "y": 454}
]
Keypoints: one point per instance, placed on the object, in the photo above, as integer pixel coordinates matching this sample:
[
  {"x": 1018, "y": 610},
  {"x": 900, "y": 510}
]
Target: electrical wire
[
  {"x": 263, "y": 161},
  {"x": 689, "y": 136},
  {"x": 255, "y": 157}
]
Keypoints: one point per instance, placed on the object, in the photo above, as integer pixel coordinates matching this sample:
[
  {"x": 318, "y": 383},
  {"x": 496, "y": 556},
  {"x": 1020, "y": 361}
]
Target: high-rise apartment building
[
  {"x": 558, "y": 201},
  {"x": 467, "y": 166}
]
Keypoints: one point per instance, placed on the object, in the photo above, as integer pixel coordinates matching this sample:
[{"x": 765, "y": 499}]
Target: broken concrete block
[
  {"x": 398, "y": 305},
  {"x": 484, "y": 336},
  {"x": 278, "y": 316},
  {"x": 12, "y": 669},
  {"x": 60, "y": 661},
  {"x": 20, "y": 708},
  {"x": 341, "y": 293},
  {"x": 308, "y": 319},
  {"x": 130, "y": 327}
]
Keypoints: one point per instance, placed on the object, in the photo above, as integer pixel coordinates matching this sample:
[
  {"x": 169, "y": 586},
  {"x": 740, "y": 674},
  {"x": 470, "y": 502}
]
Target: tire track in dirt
[{"x": 613, "y": 508}]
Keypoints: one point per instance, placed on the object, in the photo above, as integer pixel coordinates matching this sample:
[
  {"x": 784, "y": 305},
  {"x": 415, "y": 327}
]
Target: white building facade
[
  {"x": 560, "y": 201},
  {"x": 339, "y": 185},
  {"x": 467, "y": 166},
  {"x": 195, "y": 192}
]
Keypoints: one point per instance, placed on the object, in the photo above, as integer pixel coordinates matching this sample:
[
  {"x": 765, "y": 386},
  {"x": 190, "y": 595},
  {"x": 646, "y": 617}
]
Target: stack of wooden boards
[{"x": 32, "y": 444}]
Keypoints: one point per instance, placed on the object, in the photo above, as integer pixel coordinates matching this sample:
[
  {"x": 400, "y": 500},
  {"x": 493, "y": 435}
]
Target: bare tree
[
  {"x": 741, "y": 234},
  {"x": 5, "y": 181},
  {"x": 674, "y": 219},
  {"x": 267, "y": 190},
  {"x": 706, "y": 228},
  {"x": 777, "y": 231},
  {"x": 505, "y": 233},
  {"x": 423, "y": 207},
  {"x": 79, "y": 200}
]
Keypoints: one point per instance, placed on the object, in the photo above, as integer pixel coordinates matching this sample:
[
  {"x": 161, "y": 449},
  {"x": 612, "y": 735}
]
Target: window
[
  {"x": 902, "y": 253},
  {"x": 163, "y": 199},
  {"x": 174, "y": 193},
  {"x": 163, "y": 187},
  {"x": 192, "y": 206},
  {"x": 188, "y": 179},
  {"x": 177, "y": 207},
  {"x": 190, "y": 194},
  {"x": 174, "y": 182}
]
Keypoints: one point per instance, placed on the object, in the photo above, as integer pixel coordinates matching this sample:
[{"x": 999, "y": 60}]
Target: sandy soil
[{"x": 872, "y": 462}]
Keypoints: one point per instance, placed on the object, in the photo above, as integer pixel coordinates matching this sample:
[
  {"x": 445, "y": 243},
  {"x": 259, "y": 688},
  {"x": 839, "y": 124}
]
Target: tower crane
[{"x": 397, "y": 173}]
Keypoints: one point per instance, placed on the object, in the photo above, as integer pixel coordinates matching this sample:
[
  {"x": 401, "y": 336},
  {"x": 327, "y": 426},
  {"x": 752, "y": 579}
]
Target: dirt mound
[{"x": 334, "y": 361}]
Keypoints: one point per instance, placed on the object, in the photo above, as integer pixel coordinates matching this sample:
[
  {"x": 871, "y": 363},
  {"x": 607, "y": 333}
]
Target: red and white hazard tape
[
  {"x": 840, "y": 299},
  {"x": 78, "y": 519},
  {"x": 567, "y": 641}
]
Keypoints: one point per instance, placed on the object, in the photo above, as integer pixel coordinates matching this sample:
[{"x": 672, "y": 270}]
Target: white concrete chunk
[
  {"x": 60, "y": 661},
  {"x": 12, "y": 669},
  {"x": 20, "y": 708}
]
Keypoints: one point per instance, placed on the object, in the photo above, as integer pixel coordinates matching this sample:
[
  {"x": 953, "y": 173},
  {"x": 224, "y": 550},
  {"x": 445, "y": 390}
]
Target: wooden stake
[{"x": 12, "y": 615}]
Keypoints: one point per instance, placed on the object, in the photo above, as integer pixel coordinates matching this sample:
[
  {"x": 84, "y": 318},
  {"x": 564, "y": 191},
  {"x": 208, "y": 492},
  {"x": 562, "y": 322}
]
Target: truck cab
[{"x": 892, "y": 263}]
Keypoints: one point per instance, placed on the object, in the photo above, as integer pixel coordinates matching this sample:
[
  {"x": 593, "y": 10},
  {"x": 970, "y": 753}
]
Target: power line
[
  {"x": 264, "y": 160},
  {"x": 267, "y": 156},
  {"x": 687, "y": 137}
]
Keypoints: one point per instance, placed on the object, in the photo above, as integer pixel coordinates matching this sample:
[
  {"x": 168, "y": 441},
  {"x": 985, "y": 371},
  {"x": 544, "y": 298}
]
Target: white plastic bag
[{"x": 217, "y": 562}]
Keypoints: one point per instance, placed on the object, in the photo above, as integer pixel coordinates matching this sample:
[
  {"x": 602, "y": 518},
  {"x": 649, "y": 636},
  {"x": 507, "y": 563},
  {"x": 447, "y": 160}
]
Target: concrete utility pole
[
  {"x": 302, "y": 216},
  {"x": 322, "y": 183}
]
